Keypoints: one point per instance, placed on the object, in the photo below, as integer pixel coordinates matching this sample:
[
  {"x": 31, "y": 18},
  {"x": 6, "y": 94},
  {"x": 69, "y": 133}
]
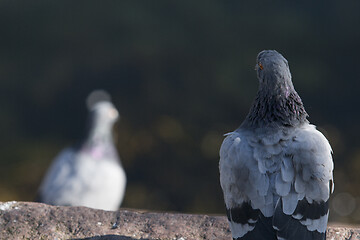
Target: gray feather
[{"x": 287, "y": 169}]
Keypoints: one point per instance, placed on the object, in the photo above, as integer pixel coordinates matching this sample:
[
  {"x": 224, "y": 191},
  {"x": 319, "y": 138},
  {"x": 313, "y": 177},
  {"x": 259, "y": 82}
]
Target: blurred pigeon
[
  {"x": 89, "y": 174},
  {"x": 276, "y": 168}
]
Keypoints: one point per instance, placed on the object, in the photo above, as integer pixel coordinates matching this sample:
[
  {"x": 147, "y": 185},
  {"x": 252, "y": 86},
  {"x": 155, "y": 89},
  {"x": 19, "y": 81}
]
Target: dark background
[{"x": 181, "y": 74}]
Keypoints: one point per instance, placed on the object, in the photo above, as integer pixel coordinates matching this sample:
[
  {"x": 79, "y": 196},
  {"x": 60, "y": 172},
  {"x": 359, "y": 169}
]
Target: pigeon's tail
[
  {"x": 247, "y": 223},
  {"x": 263, "y": 230},
  {"x": 294, "y": 226}
]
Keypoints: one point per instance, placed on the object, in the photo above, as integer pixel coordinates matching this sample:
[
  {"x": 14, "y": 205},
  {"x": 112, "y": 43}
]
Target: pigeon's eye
[{"x": 260, "y": 66}]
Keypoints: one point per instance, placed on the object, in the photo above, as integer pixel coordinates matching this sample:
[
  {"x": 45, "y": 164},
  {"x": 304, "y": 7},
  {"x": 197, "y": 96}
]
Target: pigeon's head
[
  {"x": 273, "y": 70},
  {"x": 104, "y": 112}
]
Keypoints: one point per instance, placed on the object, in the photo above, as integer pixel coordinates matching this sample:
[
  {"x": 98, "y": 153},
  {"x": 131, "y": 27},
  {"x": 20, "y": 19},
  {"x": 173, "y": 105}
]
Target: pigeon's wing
[
  {"x": 302, "y": 210},
  {"x": 245, "y": 189},
  {"x": 58, "y": 173}
]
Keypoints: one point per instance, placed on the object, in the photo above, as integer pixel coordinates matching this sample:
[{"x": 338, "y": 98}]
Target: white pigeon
[
  {"x": 90, "y": 174},
  {"x": 276, "y": 168}
]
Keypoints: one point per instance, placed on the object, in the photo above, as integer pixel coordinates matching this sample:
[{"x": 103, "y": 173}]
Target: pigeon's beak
[{"x": 113, "y": 113}]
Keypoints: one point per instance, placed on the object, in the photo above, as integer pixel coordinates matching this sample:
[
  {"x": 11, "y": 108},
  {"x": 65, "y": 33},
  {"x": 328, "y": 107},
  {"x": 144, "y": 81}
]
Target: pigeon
[
  {"x": 276, "y": 169},
  {"x": 89, "y": 174}
]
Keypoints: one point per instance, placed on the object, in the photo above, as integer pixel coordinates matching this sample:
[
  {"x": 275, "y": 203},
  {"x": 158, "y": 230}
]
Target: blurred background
[{"x": 181, "y": 74}]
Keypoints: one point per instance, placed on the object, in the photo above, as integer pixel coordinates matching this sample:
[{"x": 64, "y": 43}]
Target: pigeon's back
[{"x": 276, "y": 181}]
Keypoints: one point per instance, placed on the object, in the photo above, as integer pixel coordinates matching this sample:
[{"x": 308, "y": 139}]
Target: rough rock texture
[{"x": 27, "y": 220}]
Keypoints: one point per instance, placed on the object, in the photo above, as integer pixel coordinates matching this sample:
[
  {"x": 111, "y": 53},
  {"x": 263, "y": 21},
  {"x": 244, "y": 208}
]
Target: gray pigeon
[
  {"x": 89, "y": 174},
  {"x": 276, "y": 168}
]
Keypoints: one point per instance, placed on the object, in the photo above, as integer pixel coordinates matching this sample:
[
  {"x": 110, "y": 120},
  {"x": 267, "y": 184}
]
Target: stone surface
[{"x": 27, "y": 220}]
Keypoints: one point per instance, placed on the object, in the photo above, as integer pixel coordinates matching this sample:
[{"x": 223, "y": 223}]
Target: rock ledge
[{"x": 27, "y": 220}]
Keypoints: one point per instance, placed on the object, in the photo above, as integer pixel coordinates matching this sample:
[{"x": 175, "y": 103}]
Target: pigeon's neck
[
  {"x": 278, "y": 108},
  {"x": 100, "y": 134}
]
